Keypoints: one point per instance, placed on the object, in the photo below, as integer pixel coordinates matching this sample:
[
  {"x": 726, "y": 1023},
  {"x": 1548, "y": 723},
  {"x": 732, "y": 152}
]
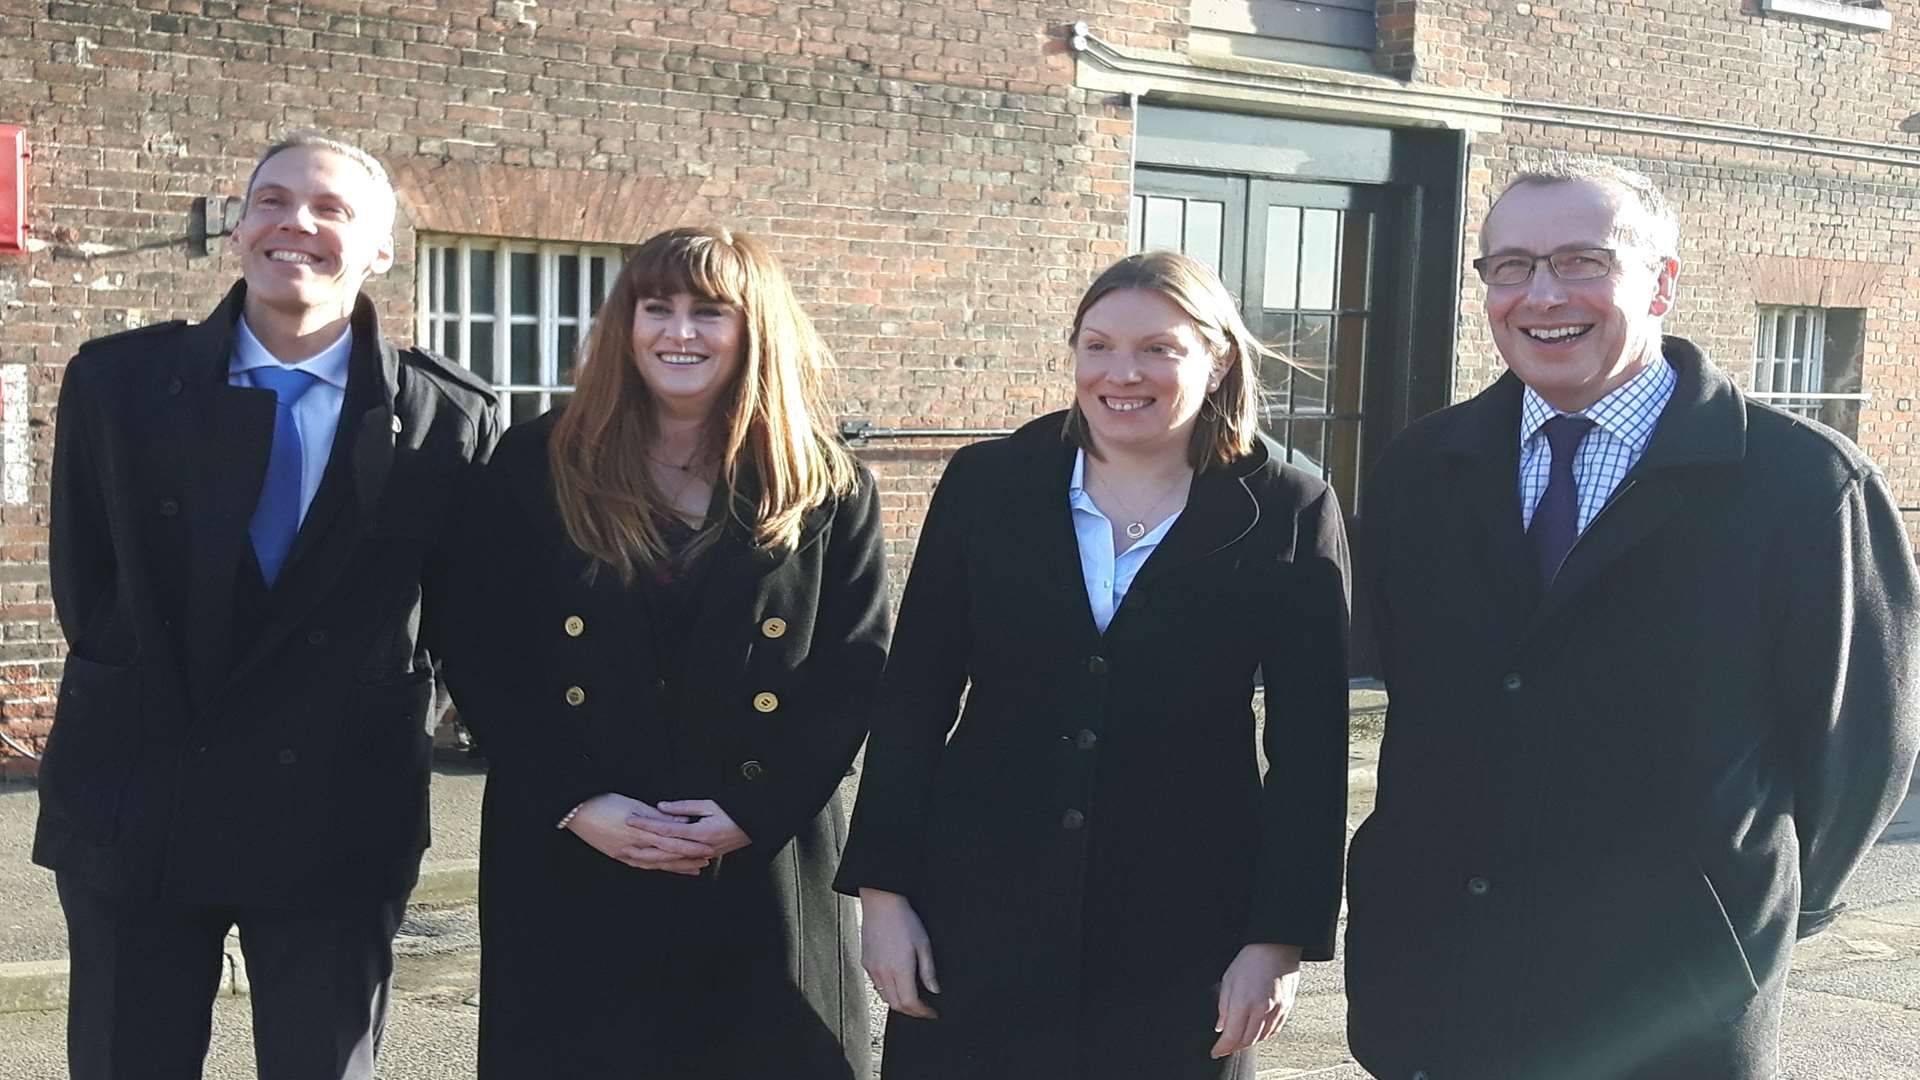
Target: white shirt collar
[{"x": 329, "y": 365}]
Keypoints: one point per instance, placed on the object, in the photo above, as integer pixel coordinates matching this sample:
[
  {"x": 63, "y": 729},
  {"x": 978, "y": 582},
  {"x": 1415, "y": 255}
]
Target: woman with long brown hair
[
  {"x": 668, "y": 615},
  {"x": 1088, "y": 876}
]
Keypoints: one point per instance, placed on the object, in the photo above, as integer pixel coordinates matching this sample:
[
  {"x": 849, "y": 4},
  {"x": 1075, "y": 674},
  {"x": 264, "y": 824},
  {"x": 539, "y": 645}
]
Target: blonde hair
[
  {"x": 1229, "y": 420},
  {"x": 768, "y": 426},
  {"x": 387, "y": 205}
]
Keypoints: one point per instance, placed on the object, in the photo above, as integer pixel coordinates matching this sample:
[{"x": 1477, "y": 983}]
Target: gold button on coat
[
  {"x": 765, "y": 702},
  {"x": 576, "y": 696},
  {"x": 774, "y": 627},
  {"x": 575, "y": 626}
]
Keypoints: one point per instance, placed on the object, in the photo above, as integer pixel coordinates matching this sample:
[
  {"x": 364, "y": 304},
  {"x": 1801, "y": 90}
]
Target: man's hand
[
  {"x": 628, "y": 830},
  {"x": 1256, "y": 994},
  {"x": 896, "y": 953},
  {"x": 701, "y": 821}
]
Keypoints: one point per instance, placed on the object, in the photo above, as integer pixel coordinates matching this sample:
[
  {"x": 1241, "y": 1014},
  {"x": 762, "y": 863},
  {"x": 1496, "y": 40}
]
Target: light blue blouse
[{"x": 1108, "y": 576}]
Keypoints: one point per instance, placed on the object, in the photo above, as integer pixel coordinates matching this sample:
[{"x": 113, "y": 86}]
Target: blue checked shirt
[{"x": 1623, "y": 423}]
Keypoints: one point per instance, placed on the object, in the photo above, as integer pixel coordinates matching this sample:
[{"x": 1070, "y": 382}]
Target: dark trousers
[{"x": 145, "y": 974}]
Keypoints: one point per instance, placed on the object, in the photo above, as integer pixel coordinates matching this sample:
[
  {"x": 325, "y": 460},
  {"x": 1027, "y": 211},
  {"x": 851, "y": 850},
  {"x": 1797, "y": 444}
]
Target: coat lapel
[
  {"x": 1485, "y": 449},
  {"x": 1038, "y": 535},
  {"x": 225, "y": 435},
  {"x": 1704, "y": 424}
]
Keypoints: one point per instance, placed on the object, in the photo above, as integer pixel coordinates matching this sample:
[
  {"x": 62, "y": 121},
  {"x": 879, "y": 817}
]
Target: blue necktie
[
  {"x": 1556, "y": 519},
  {"x": 276, "y": 518}
]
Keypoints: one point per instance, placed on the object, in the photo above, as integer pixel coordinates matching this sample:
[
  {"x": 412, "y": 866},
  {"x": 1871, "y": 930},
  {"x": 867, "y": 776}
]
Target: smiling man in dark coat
[
  {"x": 240, "y": 512},
  {"x": 1650, "y": 650}
]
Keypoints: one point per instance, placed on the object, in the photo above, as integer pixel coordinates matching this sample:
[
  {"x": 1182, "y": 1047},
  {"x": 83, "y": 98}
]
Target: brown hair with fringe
[
  {"x": 768, "y": 427},
  {"x": 1229, "y": 420}
]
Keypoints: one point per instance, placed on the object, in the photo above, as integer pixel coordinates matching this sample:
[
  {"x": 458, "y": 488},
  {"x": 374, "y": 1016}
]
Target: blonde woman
[
  {"x": 670, "y": 615},
  {"x": 1089, "y": 877}
]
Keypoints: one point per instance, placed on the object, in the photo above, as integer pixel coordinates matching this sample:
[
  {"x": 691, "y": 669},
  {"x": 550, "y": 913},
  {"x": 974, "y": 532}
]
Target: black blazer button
[
  {"x": 287, "y": 757},
  {"x": 1086, "y": 740},
  {"x": 1072, "y": 820},
  {"x": 174, "y": 386},
  {"x": 1096, "y": 665},
  {"x": 1419, "y": 1074},
  {"x": 169, "y": 507},
  {"x": 1512, "y": 682},
  {"x": 752, "y": 770},
  {"x": 1479, "y": 886},
  {"x": 316, "y": 637}
]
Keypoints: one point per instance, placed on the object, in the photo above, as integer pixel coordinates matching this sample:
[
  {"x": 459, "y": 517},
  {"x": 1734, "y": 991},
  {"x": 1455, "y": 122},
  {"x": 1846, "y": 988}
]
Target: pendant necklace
[{"x": 1136, "y": 525}]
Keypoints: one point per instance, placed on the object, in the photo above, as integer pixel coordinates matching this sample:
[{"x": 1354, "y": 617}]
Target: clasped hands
[
  {"x": 684, "y": 836},
  {"x": 1257, "y": 992}
]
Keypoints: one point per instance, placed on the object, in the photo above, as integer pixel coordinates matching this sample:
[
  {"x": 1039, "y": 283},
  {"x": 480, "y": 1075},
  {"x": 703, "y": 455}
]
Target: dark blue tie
[
  {"x": 1556, "y": 519},
  {"x": 276, "y": 517}
]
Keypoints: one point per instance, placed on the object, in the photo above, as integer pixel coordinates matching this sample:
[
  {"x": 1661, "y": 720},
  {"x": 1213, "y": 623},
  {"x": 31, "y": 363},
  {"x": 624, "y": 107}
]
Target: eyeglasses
[{"x": 1512, "y": 268}]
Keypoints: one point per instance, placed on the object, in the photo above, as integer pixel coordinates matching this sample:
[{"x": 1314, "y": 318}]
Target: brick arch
[{"x": 566, "y": 205}]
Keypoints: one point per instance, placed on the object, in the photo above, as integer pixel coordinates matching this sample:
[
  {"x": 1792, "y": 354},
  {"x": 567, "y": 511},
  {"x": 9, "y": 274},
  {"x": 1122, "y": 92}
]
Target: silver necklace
[{"x": 1136, "y": 525}]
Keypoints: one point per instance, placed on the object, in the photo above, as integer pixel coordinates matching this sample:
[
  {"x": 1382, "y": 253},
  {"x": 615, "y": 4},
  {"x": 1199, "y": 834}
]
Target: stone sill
[{"x": 1830, "y": 12}]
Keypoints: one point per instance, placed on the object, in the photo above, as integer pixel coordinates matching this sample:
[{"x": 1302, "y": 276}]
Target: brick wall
[
  {"x": 1753, "y": 220},
  {"x": 937, "y": 186}
]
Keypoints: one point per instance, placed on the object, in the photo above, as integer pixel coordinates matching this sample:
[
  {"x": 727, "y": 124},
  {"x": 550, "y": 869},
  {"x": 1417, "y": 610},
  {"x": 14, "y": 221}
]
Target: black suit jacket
[
  {"x": 279, "y": 759},
  {"x": 1606, "y": 811},
  {"x": 1094, "y": 841}
]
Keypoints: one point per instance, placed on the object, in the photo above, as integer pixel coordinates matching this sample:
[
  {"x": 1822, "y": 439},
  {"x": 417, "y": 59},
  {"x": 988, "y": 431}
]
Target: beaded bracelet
[{"x": 571, "y": 814}]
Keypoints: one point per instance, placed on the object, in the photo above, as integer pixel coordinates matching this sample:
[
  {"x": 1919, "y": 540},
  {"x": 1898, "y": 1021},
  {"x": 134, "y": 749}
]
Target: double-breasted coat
[
  {"x": 1606, "y": 811},
  {"x": 593, "y": 968},
  {"x": 278, "y": 761},
  {"x": 1094, "y": 842}
]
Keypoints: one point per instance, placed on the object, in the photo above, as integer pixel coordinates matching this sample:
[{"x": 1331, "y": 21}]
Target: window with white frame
[
  {"x": 514, "y": 313},
  {"x": 1807, "y": 360}
]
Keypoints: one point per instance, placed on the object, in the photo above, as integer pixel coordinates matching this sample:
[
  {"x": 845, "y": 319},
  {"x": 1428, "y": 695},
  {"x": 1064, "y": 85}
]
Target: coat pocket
[
  {"x": 1721, "y": 974},
  {"x": 93, "y": 746},
  {"x": 380, "y": 769}
]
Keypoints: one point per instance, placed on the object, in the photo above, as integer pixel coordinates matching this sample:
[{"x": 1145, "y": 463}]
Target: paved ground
[{"x": 1853, "y": 1012}]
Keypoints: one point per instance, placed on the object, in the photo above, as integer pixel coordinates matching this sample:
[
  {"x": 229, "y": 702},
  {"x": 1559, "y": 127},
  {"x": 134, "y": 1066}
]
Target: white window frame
[
  {"x": 434, "y": 323},
  {"x": 1780, "y": 376}
]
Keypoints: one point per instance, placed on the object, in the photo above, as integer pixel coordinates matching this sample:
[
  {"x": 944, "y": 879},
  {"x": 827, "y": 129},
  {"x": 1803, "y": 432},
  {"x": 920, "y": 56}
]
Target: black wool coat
[
  {"x": 278, "y": 760},
  {"x": 1094, "y": 842},
  {"x": 1607, "y": 811},
  {"x": 590, "y": 968}
]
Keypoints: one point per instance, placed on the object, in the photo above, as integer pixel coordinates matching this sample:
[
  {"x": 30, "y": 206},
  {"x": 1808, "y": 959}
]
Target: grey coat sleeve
[{"x": 1848, "y": 668}]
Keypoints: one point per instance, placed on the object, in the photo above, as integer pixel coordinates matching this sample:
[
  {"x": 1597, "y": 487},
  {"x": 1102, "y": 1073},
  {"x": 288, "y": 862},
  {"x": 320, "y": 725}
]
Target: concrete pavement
[{"x": 1853, "y": 1011}]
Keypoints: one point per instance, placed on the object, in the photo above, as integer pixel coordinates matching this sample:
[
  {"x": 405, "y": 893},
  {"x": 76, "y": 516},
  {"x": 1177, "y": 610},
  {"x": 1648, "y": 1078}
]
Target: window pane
[
  {"x": 1203, "y": 232},
  {"x": 447, "y": 333},
  {"x": 1312, "y": 352},
  {"x": 480, "y": 296},
  {"x": 1319, "y": 257},
  {"x": 525, "y": 288},
  {"x": 449, "y": 279},
  {"x": 569, "y": 343},
  {"x": 597, "y": 282},
  {"x": 569, "y": 287},
  {"x": 482, "y": 359},
  {"x": 1282, "y": 288},
  {"x": 523, "y": 407},
  {"x": 1163, "y": 224},
  {"x": 525, "y": 352}
]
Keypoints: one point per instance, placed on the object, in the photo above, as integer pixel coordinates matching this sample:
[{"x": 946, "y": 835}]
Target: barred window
[
  {"x": 513, "y": 312},
  {"x": 1807, "y": 360}
]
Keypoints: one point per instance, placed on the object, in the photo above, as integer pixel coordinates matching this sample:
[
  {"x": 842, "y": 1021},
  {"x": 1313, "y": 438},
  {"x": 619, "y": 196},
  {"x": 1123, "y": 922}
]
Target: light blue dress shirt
[
  {"x": 1107, "y": 576},
  {"x": 316, "y": 414},
  {"x": 1623, "y": 424}
]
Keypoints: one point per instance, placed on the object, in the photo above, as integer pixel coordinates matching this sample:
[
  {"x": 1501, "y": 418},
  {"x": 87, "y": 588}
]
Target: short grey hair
[
  {"x": 316, "y": 140},
  {"x": 1657, "y": 227}
]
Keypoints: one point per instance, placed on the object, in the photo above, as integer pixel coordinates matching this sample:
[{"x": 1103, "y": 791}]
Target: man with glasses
[{"x": 1650, "y": 656}]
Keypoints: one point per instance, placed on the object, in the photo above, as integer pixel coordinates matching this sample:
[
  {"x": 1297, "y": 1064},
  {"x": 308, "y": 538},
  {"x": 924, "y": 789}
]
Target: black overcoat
[
  {"x": 1606, "y": 812},
  {"x": 278, "y": 764},
  {"x": 1094, "y": 842},
  {"x": 590, "y": 968}
]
